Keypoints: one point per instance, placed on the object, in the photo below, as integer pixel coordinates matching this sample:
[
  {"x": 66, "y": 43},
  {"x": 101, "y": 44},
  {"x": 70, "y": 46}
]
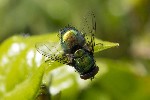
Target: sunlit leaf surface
[{"x": 23, "y": 70}]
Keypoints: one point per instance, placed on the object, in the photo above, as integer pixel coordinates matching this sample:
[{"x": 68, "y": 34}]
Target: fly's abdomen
[{"x": 84, "y": 64}]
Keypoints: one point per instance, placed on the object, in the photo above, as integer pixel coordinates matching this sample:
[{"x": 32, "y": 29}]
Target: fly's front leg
[{"x": 70, "y": 59}]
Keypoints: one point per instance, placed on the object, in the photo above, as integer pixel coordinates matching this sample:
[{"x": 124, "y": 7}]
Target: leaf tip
[{"x": 117, "y": 44}]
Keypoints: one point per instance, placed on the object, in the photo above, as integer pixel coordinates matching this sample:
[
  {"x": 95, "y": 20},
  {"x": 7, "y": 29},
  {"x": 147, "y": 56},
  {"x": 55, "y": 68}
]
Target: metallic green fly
[{"x": 76, "y": 48}]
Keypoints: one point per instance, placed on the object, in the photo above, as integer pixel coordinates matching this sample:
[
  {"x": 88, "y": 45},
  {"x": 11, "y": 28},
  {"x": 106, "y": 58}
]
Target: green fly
[{"x": 76, "y": 48}]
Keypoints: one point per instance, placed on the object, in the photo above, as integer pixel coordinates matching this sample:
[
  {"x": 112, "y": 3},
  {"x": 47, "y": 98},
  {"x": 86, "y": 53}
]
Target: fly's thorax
[
  {"x": 72, "y": 38},
  {"x": 83, "y": 61},
  {"x": 79, "y": 53}
]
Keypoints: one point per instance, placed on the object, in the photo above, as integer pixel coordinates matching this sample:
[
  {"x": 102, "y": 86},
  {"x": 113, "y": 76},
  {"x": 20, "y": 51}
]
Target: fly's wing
[
  {"x": 89, "y": 29},
  {"x": 52, "y": 51}
]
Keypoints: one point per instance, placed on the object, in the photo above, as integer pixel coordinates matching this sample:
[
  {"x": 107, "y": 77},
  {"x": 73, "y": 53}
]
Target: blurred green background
[{"x": 124, "y": 21}]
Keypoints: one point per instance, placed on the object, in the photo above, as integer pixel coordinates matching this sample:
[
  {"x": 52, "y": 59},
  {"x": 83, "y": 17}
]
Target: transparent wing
[
  {"x": 52, "y": 51},
  {"x": 89, "y": 29}
]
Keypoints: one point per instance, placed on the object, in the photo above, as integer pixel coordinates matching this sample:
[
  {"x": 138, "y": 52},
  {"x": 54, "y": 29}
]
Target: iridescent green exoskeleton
[
  {"x": 71, "y": 39},
  {"x": 76, "y": 48}
]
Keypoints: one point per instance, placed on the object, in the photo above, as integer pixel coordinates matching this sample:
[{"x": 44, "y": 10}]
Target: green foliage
[
  {"x": 102, "y": 45},
  {"x": 125, "y": 77},
  {"x": 26, "y": 90},
  {"x": 22, "y": 69}
]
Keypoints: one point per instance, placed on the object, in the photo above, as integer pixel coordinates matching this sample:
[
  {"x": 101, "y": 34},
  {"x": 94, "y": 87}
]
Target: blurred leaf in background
[{"x": 124, "y": 71}]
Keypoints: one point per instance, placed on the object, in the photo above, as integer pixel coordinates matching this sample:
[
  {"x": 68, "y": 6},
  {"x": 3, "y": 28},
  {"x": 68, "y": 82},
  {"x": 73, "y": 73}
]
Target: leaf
[
  {"x": 102, "y": 45},
  {"x": 19, "y": 60},
  {"x": 27, "y": 89}
]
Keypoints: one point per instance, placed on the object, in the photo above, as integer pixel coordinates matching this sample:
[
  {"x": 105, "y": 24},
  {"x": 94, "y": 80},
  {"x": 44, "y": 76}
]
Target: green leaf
[
  {"x": 27, "y": 89},
  {"x": 102, "y": 45},
  {"x": 19, "y": 60}
]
